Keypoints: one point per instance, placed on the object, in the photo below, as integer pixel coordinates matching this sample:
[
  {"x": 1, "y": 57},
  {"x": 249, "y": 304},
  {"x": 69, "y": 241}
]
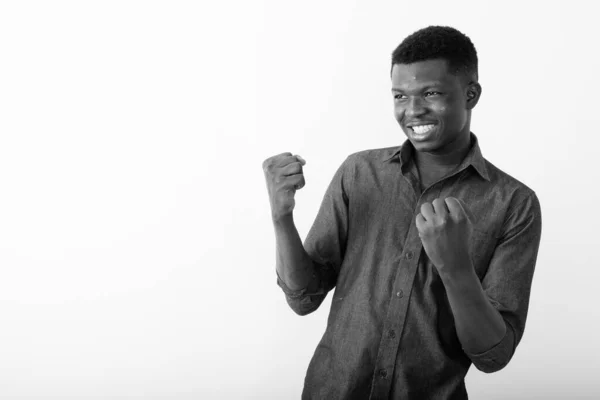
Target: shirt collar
[{"x": 473, "y": 157}]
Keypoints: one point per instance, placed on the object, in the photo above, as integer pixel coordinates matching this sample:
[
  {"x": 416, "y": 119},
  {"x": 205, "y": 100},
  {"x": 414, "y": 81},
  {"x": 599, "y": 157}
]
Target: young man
[{"x": 431, "y": 248}]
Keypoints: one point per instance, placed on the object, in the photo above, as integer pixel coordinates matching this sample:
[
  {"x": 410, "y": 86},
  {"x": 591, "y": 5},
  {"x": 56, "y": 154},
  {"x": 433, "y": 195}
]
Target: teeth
[{"x": 421, "y": 129}]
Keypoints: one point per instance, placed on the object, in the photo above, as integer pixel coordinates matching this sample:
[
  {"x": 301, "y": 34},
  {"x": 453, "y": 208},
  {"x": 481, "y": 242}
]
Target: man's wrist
[
  {"x": 459, "y": 274},
  {"x": 282, "y": 219}
]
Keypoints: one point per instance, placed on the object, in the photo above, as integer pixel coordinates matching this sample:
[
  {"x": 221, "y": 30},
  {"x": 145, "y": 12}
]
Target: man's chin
[{"x": 425, "y": 147}]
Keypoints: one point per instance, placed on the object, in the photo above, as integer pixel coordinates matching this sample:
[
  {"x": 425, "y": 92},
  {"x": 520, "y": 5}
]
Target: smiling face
[{"x": 432, "y": 105}]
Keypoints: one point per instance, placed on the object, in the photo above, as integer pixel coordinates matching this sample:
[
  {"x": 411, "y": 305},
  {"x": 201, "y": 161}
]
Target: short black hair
[{"x": 439, "y": 42}]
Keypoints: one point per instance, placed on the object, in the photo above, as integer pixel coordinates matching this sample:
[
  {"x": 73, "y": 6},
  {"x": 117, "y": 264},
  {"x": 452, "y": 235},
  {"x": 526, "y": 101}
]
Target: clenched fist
[
  {"x": 445, "y": 231},
  {"x": 284, "y": 176}
]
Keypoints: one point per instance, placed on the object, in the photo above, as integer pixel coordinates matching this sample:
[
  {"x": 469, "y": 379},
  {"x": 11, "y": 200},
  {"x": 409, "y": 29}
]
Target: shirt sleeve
[
  {"x": 507, "y": 282},
  {"x": 325, "y": 244}
]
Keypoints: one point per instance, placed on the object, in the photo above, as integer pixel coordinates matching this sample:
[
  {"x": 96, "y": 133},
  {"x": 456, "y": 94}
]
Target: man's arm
[
  {"x": 304, "y": 282},
  {"x": 294, "y": 266},
  {"x": 479, "y": 325},
  {"x": 305, "y": 273},
  {"x": 284, "y": 176},
  {"x": 489, "y": 315}
]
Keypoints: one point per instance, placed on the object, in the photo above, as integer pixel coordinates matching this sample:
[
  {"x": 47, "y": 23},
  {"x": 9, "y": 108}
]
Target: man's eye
[
  {"x": 399, "y": 96},
  {"x": 433, "y": 93}
]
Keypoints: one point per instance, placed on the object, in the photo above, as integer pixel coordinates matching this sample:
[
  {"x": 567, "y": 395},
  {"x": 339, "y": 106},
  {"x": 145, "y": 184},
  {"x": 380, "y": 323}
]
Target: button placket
[{"x": 396, "y": 316}]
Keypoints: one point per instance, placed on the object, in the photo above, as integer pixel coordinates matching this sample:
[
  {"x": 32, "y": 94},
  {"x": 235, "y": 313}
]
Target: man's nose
[{"x": 415, "y": 107}]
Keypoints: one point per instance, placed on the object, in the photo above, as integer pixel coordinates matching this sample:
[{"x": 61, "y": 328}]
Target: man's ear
[{"x": 473, "y": 94}]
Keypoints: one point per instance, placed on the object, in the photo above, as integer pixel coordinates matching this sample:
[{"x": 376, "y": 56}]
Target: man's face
[{"x": 431, "y": 106}]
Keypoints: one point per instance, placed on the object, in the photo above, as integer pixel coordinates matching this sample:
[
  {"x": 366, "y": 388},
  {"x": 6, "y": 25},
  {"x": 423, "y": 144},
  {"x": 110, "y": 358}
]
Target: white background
[{"x": 137, "y": 255}]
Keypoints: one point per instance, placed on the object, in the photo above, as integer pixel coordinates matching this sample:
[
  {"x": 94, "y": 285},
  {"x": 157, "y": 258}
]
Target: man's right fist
[{"x": 284, "y": 176}]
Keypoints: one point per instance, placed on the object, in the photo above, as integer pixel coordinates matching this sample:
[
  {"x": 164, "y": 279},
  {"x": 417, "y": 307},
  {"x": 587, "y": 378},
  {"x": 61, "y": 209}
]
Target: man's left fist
[{"x": 445, "y": 230}]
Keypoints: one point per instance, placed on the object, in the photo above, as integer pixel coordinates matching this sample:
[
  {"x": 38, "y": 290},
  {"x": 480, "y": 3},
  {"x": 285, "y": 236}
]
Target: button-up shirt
[{"x": 391, "y": 332}]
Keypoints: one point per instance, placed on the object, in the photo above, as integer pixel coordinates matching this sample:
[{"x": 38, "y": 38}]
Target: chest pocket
[{"x": 483, "y": 245}]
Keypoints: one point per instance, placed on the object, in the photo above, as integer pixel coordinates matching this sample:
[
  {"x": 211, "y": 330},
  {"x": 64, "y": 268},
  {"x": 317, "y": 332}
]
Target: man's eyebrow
[{"x": 423, "y": 87}]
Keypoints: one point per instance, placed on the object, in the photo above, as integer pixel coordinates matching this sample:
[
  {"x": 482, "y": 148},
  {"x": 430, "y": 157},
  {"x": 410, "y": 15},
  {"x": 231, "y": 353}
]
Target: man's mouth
[{"x": 422, "y": 129}]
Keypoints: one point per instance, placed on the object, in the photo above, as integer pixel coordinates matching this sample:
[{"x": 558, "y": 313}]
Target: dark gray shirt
[{"x": 390, "y": 332}]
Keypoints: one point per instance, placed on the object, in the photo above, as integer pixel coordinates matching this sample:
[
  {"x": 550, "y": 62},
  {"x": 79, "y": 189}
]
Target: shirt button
[
  {"x": 399, "y": 293},
  {"x": 392, "y": 333},
  {"x": 383, "y": 373},
  {"x": 409, "y": 255}
]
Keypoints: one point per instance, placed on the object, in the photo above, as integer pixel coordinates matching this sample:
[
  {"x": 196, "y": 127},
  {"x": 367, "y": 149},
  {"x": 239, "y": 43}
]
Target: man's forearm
[
  {"x": 294, "y": 265},
  {"x": 478, "y": 324}
]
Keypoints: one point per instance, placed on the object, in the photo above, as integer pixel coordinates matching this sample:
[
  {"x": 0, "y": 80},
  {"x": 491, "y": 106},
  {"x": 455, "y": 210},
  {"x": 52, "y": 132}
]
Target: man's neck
[
  {"x": 434, "y": 165},
  {"x": 451, "y": 156}
]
